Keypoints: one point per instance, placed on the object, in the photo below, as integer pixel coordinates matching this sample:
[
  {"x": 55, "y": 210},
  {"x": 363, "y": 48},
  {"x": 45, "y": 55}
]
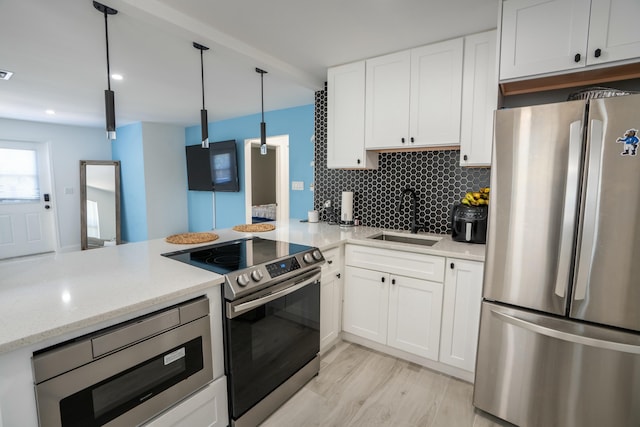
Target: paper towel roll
[{"x": 347, "y": 207}]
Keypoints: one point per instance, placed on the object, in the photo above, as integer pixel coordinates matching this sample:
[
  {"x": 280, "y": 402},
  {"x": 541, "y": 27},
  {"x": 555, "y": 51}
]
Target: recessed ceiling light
[
  {"x": 116, "y": 76},
  {"x": 5, "y": 75},
  {"x": 50, "y": 112}
]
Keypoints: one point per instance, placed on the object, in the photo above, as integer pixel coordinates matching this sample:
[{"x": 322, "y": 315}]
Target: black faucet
[{"x": 414, "y": 209}]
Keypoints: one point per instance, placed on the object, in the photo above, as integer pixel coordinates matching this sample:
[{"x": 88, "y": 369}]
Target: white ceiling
[{"x": 56, "y": 50}]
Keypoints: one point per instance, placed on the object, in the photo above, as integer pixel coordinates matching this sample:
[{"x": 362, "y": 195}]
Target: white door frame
[{"x": 281, "y": 143}]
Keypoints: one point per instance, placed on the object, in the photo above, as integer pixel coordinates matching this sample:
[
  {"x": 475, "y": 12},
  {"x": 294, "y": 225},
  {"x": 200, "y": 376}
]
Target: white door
[
  {"x": 613, "y": 31},
  {"x": 366, "y": 303},
  {"x": 27, "y": 222},
  {"x": 543, "y": 36},
  {"x": 461, "y": 313},
  {"x": 345, "y": 116},
  {"x": 387, "y": 100},
  {"x": 414, "y": 316},
  {"x": 436, "y": 94}
]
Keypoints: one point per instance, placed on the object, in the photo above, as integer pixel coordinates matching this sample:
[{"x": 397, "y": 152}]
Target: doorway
[
  {"x": 27, "y": 218},
  {"x": 259, "y": 198}
]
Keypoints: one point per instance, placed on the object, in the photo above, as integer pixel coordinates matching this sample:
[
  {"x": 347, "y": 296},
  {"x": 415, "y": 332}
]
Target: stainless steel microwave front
[{"x": 126, "y": 374}]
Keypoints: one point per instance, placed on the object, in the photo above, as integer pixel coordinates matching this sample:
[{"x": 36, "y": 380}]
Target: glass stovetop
[{"x": 223, "y": 258}]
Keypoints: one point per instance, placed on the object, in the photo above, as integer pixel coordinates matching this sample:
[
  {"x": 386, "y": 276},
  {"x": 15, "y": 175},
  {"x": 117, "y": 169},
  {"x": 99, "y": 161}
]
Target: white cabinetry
[
  {"x": 331, "y": 298},
  {"x": 413, "y": 97},
  {"x": 461, "y": 313},
  {"x": 389, "y": 300},
  {"x": 206, "y": 408},
  {"x": 546, "y": 36},
  {"x": 479, "y": 99},
  {"x": 345, "y": 118}
]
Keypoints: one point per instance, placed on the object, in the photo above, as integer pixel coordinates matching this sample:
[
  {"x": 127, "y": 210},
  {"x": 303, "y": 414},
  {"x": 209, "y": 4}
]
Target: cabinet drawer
[
  {"x": 410, "y": 264},
  {"x": 332, "y": 256}
]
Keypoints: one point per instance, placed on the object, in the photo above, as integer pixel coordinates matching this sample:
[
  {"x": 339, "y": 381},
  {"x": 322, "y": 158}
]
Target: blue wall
[
  {"x": 127, "y": 148},
  {"x": 296, "y": 122}
]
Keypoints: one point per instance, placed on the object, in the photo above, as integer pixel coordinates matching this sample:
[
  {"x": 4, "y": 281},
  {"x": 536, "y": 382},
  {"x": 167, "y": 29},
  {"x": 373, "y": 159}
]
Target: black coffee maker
[{"x": 469, "y": 223}]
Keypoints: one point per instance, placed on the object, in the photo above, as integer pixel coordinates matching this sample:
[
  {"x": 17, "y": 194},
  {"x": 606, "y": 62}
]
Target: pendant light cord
[
  {"x": 202, "y": 74},
  {"x": 262, "y": 93},
  {"x": 106, "y": 36}
]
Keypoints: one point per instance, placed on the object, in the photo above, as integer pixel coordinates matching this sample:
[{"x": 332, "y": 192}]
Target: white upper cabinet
[
  {"x": 413, "y": 97},
  {"x": 387, "y": 100},
  {"x": 614, "y": 33},
  {"x": 479, "y": 99},
  {"x": 546, "y": 36},
  {"x": 345, "y": 118}
]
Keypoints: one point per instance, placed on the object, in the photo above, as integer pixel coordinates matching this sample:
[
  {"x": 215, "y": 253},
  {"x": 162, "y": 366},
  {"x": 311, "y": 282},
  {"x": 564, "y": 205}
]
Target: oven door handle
[{"x": 236, "y": 310}]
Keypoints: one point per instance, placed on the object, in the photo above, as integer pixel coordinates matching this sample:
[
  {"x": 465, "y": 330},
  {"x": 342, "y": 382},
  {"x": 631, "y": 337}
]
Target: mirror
[{"x": 99, "y": 203}]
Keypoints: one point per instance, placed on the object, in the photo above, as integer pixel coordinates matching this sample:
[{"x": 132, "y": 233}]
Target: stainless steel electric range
[{"x": 271, "y": 320}]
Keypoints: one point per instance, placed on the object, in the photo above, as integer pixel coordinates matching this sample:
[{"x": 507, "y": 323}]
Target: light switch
[
  {"x": 68, "y": 190},
  {"x": 297, "y": 185}
]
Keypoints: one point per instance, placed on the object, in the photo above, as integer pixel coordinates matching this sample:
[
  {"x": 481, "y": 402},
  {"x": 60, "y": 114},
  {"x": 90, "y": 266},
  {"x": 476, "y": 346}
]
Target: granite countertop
[{"x": 50, "y": 296}]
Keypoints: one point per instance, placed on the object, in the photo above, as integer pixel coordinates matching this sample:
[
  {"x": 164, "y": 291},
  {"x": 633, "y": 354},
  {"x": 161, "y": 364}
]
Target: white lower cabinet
[
  {"x": 414, "y": 316},
  {"x": 388, "y": 301},
  {"x": 366, "y": 303},
  {"x": 205, "y": 408},
  {"x": 386, "y": 306},
  {"x": 461, "y": 313},
  {"x": 331, "y": 298}
]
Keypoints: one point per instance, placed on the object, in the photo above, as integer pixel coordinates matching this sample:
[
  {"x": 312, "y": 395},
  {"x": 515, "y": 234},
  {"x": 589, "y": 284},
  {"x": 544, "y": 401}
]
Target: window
[{"x": 18, "y": 176}]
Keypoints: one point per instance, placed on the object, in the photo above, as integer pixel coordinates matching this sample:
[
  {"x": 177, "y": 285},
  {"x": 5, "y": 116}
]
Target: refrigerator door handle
[
  {"x": 567, "y": 336},
  {"x": 569, "y": 209},
  {"x": 591, "y": 210}
]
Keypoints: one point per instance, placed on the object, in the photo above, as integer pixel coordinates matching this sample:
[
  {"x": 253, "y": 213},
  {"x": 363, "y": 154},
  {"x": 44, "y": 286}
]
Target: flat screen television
[{"x": 215, "y": 169}]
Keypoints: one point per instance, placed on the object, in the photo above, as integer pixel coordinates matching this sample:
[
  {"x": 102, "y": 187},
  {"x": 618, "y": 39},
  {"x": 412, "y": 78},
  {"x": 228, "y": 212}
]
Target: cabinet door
[
  {"x": 366, "y": 303},
  {"x": 345, "y": 118},
  {"x": 330, "y": 305},
  {"x": 387, "y": 101},
  {"x": 613, "y": 31},
  {"x": 542, "y": 36},
  {"x": 479, "y": 99},
  {"x": 414, "y": 316},
  {"x": 461, "y": 313},
  {"x": 436, "y": 91}
]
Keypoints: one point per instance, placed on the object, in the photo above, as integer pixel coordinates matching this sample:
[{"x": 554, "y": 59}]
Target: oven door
[{"x": 269, "y": 337}]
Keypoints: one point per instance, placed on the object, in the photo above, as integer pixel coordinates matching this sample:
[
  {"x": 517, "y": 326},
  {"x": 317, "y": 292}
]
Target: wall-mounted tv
[{"x": 215, "y": 169}]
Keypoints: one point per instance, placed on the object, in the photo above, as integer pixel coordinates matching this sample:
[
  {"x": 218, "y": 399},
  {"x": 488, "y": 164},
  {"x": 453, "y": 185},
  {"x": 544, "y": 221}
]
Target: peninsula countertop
[{"x": 50, "y": 296}]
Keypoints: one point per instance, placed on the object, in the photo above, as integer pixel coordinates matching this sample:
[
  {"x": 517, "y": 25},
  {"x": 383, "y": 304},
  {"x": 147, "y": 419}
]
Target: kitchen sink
[{"x": 405, "y": 238}]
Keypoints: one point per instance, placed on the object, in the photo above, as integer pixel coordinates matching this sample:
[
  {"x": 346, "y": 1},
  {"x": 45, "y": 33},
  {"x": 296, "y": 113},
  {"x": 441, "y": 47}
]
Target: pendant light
[
  {"x": 109, "y": 104},
  {"x": 204, "y": 122},
  {"x": 263, "y": 125}
]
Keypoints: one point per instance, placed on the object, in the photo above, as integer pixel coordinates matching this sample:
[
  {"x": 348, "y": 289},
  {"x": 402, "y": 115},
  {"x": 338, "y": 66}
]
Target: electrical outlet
[{"x": 297, "y": 185}]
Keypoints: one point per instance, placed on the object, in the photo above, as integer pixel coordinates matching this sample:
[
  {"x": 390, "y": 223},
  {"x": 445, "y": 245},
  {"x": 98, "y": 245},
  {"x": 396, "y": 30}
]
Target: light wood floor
[{"x": 361, "y": 387}]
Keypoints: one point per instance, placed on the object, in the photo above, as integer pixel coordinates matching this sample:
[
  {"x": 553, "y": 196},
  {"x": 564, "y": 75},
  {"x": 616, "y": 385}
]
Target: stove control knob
[
  {"x": 308, "y": 258},
  {"x": 317, "y": 255},
  {"x": 256, "y": 275},
  {"x": 243, "y": 279}
]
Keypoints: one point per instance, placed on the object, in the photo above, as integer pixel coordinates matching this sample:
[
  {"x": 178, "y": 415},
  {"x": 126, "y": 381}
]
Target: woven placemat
[
  {"x": 186, "y": 238},
  {"x": 252, "y": 228}
]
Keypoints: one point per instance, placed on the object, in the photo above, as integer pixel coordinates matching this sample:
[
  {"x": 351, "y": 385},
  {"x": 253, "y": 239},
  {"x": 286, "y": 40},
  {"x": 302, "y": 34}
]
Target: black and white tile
[{"x": 436, "y": 176}]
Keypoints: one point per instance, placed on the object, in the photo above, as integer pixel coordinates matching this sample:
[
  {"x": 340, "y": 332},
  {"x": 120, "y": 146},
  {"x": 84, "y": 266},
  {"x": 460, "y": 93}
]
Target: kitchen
[{"x": 474, "y": 177}]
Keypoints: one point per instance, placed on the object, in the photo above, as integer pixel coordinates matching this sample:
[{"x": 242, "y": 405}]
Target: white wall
[
  {"x": 67, "y": 146},
  {"x": 165, "y": 175}
]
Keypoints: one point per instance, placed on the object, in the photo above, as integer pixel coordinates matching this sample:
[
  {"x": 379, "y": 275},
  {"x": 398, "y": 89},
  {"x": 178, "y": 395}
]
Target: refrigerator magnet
[{"x": 630, "y": 141}]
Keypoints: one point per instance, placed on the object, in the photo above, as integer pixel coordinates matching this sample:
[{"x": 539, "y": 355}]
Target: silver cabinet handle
[
  {"x": 246, "y": 306},
  {"x": 569, "y": 209},
  {"x": 567, "y": 336},
  {"x": 591, "y": 210}
]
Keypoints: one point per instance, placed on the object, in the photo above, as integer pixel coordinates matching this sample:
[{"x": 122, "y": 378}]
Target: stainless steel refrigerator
[{"x": 559, "y": 341}]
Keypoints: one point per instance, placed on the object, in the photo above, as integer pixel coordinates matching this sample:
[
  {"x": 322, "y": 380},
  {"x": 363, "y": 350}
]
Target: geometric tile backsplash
[{"x": 436, "y": 177}]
